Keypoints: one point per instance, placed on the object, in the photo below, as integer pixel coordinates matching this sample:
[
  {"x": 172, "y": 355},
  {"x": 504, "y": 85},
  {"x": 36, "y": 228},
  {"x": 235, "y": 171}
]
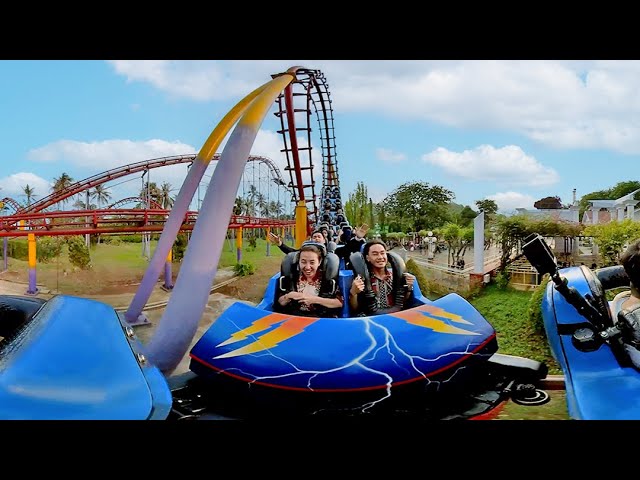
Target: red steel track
[
  {"x": 35, "y": 219},
  {"x": 80, "y": 222}
]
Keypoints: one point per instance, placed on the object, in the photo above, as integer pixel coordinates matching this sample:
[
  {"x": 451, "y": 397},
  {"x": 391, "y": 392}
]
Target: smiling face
[
  {"x": 309, "y": 263},
  {"x": 377, "y": 256}
]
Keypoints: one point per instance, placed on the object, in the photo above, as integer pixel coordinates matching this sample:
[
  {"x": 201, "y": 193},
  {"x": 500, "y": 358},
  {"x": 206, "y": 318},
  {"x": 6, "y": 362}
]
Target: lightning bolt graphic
[
  {"x": 386, "y": 346},
  {"x": 425, "y": 316},
  {"x": 290, "y": 326},
  {"x": 257, "y": 326}
]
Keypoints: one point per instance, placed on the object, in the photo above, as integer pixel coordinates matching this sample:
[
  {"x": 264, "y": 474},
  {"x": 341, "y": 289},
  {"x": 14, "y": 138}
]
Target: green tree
[
  {"x": 166, "y": 200},
  {"x": 458, "y": 240},
  {"x": 101, "y": 194},
  {"x": 548, "y": 203},
  {"x": 489, "y": 207},
  {"x": 416, "y": 205},
  {"x": 152, "y": 190},
  {"x": 613, "y": 237},
  {"x": 358, "y": 207},
  {"x": 510, "y": 233},
  {"x": 29, "y": 192},
  {"x": 467, "y": 215},
  {"x": 62, "y": 183}
]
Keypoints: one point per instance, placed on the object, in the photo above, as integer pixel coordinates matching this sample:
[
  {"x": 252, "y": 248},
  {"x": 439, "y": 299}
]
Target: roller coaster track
[
  {"x": 80, "y": 222},
  {"x": 152, "y": 203},
  {"x": 309, "y": 90},
  {"x": 11, "y": 202},
  {"x": 111, "y": 219},
  {"x": 145, "y": 165}
]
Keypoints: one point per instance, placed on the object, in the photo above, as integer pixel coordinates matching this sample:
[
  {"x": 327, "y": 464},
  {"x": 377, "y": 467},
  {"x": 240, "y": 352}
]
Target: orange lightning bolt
[
  {"x": 290, "y": 327},
  {"x": 424, "y": 316}
]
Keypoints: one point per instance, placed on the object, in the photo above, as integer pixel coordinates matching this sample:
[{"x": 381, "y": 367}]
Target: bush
[
  {"x": 18, "y": 249},
  {"x": 502, "y": 280},
  {"x": 179, "y": 247},
  {"x": 79, "y": 253},
  {"x": 414, "y": 269},
  {"x": 244, "y": 268},
  {"x": 111, "y": 240},
  {"x": 131, "y": 238},
  {"x": 48, "y": 248},
  {"x": 253, "y": 243},
  {"x": 535, "y": 305}
]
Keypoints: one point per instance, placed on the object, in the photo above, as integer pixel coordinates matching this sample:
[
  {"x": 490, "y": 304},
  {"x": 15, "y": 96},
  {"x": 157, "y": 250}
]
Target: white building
[{"x": 603, "y": 211}]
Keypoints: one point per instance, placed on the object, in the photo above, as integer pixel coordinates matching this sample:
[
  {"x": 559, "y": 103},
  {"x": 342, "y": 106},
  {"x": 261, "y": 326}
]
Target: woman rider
[{"x": 305, "y": 298}]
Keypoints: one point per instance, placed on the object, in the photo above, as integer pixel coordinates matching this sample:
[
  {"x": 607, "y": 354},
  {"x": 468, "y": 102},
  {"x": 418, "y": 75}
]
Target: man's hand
[
  {"x": 362, "y": 230},
  {"x": 410, "y": 280},
  {"x": 275, "y": 238},
  {"x": 357, "y": 286}
]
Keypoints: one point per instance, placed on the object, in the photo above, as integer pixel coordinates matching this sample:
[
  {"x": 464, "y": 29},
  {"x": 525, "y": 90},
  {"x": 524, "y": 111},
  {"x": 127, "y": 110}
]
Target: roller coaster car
[
  {"x": 593, "y": 339},
  {"x": 72, "y": 358},
  {"x": 431, "y": 360}
]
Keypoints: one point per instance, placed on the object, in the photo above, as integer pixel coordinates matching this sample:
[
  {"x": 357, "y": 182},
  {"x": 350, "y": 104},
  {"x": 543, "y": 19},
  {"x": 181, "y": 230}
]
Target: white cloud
[
  {"x": 389, "y": 156},
  {"x": 507, "y": 165},
  {"x": 107, "y": 154},
  {"x": 508, "y": 201},
  {"x": 12, "y": 186},
  {"x": 198, "y": 80},
  {"x": 375, "y": 194},
  {"x": 97, "y": 157},
  {"x": 565, "y": 104}
]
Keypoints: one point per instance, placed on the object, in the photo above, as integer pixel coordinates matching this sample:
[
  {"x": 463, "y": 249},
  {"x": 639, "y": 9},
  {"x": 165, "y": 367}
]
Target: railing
[{"x": 490, "y": 263}]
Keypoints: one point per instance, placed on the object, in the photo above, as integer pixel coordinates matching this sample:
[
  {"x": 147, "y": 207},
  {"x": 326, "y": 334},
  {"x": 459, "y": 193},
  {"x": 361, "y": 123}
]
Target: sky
[{"x": 508, "y": 130}]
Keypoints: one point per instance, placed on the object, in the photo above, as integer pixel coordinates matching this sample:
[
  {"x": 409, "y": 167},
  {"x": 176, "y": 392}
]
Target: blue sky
[{"x": 512, "y": 131}]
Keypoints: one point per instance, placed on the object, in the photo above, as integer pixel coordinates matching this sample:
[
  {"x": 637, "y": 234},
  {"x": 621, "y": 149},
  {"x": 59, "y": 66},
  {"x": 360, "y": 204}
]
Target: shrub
[
  {"x": 79, "y": 253},
  {"x": 48, "y": 248},
  {"x": 179, "y": 247},
  {"x": 244, "y": 268},
  {"x": 18, "y": 249},
  {"x": 414, "y": 269},
  {"x": 502, "y": 280},
  {"x": 252, "y": 243}
]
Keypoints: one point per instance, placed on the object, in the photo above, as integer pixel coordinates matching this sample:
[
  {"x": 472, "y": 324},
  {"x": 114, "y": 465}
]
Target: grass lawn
[
  {"x": 506, "y": 310},
  {"x": 115, "y": 266}
]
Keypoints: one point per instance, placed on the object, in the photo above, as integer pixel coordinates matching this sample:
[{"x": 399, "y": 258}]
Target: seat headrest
[
  {"x": 289, "y": 264},
  {"x": 321, "y": 246},
  {"x": 331, "y": 266}
]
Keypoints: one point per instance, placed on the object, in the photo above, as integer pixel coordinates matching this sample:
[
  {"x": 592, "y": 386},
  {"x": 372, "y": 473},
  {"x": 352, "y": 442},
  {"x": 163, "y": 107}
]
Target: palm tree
[
  {"x": 261, "y": 203},
  {"x": 237, "y": 206},
  {"x": 101, "y": 194},
  {"x": 251, "y": 200},
  {"x": 154, "y": 192},
  {"x": 275, "y": 208},
  {"x": 165, "y": 195},
  {"x": 29, "y": 193},
  {"x": 61, "y": 183},
  {"x": 79, "y": 205}
]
